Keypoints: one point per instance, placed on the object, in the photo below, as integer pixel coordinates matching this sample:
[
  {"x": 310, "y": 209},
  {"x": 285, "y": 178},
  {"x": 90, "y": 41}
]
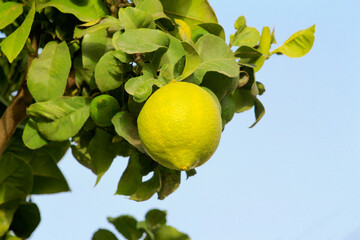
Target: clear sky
[{"x": 295, "y": 176}]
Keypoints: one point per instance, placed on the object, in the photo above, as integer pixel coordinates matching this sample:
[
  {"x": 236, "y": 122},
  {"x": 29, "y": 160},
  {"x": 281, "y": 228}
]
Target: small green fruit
[{"x": 103, "y": 108}]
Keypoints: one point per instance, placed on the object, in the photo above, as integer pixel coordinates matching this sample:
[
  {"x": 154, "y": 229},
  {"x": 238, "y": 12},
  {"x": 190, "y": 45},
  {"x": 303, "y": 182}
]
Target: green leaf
[
  {"x": 298, "y": 44},
  {"x": 192, "y": 60},
  {"x": 170, "y": 181},
  {"x": 127, "y": 226},
  {"x": 103, "y": 234},
  {"x": 141, "y": 87},
  {"x": 219, "y": 84},
  {"x": 228, "y": 109},
  {"x": 109, "y": 72},
  {"x": 131, "y": 178},
  {"x": 216, "y": 56},
  {"x": 246, "y": 52},
  {"x": 190, "y": 173},
  {"x": 240, "y": 23},
  {"x": 148, "y": 188},
  {"x": 141, "y": 41},
  {"x": 174, "y": 53},
  {"x": 94, "y": 46},
  {"x": 213, "y": 28},
  {"x": 9, "y": 12},
  {"x": 155, "y": 218},
  {"x": 7, "y": 211},
  {"x": 170, "y": 233},
  {"x": 85, "y": 10},
  {"x": 248, "y": 36},
  {"x": 126, "y": 127},
  {"x": 107, "y": 22},
  {"x": 243, "y": 99},
  {"x": 31, "y": 136},
  {"x": 12, "y": 45},
  {"x": 132, "y": 18},
  {"x": 259, "y": 111},
  {"x": 260, "y": 87},
  {"x": 265, "y": 41},
  {"x": 48, "y": 74},
  {"x": 102, "y": 152},
  {"x": 25, "y": 220},
  {"x": 154, "y": 8},
  {"x": 15, "y": 179},
  {"x": 82, "y": 74},
  {"x": 191, "y": 11},
  {"x": 60, "y": 118}
]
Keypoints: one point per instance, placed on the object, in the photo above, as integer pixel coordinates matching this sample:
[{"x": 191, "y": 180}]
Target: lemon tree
[{"x": 147, "y": 80}]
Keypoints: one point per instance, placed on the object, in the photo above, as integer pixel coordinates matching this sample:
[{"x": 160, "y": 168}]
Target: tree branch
[{"x": 15, "y": 113}]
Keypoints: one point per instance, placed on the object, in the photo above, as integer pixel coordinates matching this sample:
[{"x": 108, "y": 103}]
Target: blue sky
[{"x": 295, "y": 176}]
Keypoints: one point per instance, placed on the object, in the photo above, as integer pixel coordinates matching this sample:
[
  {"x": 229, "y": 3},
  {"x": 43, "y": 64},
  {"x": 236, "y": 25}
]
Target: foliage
[
  {"x": 154, "y": 227},
  {"x": 56, "y": 56}
]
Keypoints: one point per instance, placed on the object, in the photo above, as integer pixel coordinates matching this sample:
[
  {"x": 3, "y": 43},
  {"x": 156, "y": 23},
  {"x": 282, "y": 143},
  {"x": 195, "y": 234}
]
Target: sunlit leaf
[
  {"x": 132, "y": 18},
  {"x": 60, "y": 118},
  {"x": 86, "y": 11},
  {"x": 31, "y": 136},
  {"x": 9, "y": 12},
  {"x": 12, "y": 45},
  {"x": 48, "y": 74},
  {"x": 298, "y": 44}
]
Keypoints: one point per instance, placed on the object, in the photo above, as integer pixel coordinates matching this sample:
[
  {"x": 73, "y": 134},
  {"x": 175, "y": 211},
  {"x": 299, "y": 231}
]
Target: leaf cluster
[
  {"x": 154, "y": 227},
  {"x": 126, "y": 50}
]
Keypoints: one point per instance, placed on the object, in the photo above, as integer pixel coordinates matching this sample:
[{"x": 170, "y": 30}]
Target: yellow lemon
[{"x": 180, "y": 126}]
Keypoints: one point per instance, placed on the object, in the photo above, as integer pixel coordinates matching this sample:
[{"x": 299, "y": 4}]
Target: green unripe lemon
[
  {"x": 103, "y": 108},
  {"x": 180, "y": 126}
]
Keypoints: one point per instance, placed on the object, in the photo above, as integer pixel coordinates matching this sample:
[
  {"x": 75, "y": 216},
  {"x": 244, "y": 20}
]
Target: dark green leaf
[
  {"x": 127, "y": 226},
  {"x": 147, "y": 164},
  {"x": 7, "y": 211},
  {"x": 228, "y": 109},
  {"x": 103, "y": 234},
  {"x": 170, "y": 233},
  {"x": 260, "y": 87},
  {"x": 247, "y": 53},
  {"x": 12, "y": 45},
  {"x": 31, "y": 136},
  {"x": 259, "y": 111},
  {"x": 131, "y": 178},
  {"x": 109, "y": 72},
  {"x": 9, "y": 12},
  {"x": 85, "y": 10},
  {"x": 82, "y": 74},
  {"x": 148, "y": 188},
  {"x": 48, "y": 74},
  {"x": 155, "y": 218},
  {"x": 125, "y": 126},
  {"x": 170, "y": 181},
  {"x": 298, "y": 44},
  {"x": 243, "y": 99},
  {"x": 219, "y": 84},
  {"x": 25, "y": 220},
  {"x": 190, "y": 173},
  {"x": 213, "y": 28},
  {"x": 15, "y": 179},
  {"x": 102, "y": 152},
  {"x": 94, "y": 46},
  {"x": 60, "y": 118},
  {"x": 141, "y": 41},
  {"x": 131, "y": 18}
]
